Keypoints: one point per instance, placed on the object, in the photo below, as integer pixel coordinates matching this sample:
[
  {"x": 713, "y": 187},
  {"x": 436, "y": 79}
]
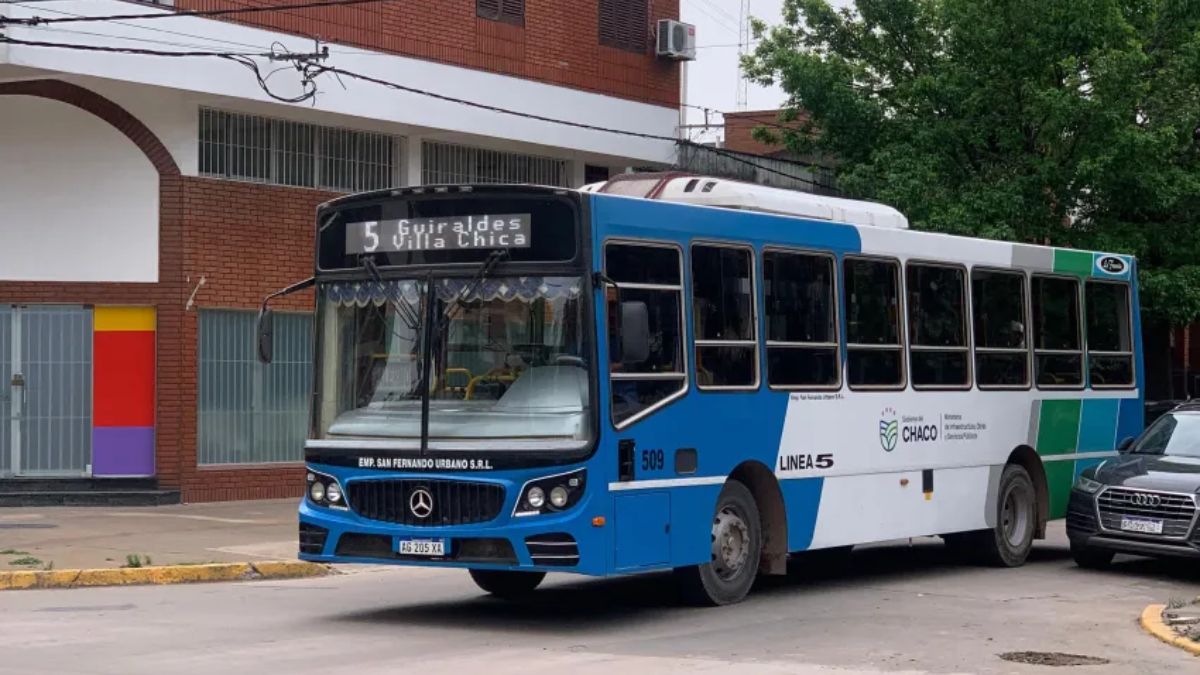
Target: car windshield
[
  {"x": 507, "y": 354},
  {"x": 1173, "y": 434}
]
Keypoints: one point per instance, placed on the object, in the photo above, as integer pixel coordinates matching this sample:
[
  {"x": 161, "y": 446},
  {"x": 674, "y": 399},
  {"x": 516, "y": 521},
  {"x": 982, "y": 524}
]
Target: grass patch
[
  {"x": 134, "y": 560},
  {"x": 26, "y": 561},
  {"x": 13, "y": 551}
]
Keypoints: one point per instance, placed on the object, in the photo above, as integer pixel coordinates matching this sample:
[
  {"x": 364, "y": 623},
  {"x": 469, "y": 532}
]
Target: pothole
[{"x": 1053, "y": 659}]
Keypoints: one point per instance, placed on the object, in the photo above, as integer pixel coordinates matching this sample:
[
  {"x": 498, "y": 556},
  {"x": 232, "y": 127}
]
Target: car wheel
[
  {"x": 506, "y": 583},
  {"x": 1009, "y": 543},
  {"x": 1091, "y": 558},
  {"x": 736, "y": 551}
]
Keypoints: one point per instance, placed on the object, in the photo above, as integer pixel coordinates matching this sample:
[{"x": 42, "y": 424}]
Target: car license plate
[
  {"x": 432, "y": 548},
  {"x": 1143, "y": 525}
]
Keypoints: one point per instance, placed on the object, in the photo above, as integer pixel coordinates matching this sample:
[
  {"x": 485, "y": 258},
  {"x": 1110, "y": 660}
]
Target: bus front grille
[
  {"x": 1176, "y": 511},
  {"x": 426, "y": 503}
]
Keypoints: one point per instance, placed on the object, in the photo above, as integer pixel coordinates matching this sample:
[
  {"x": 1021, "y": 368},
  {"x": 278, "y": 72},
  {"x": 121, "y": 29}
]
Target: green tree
[{"x": 1065, "y": 122}]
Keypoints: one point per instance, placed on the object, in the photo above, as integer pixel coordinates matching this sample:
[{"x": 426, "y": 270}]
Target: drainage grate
[{"x": 1052, "y": 659}]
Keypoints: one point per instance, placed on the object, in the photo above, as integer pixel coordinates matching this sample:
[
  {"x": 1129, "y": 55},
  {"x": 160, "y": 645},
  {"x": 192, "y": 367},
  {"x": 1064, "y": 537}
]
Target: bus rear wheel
[
  {"x": 736, "y": 542},
  {"x": 506, "y": 583},
  {"x": 1009, "y": 543}
]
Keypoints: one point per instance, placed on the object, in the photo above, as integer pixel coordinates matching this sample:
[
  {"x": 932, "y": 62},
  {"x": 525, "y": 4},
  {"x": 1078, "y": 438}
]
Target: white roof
[{"x": 708, "y": 191}]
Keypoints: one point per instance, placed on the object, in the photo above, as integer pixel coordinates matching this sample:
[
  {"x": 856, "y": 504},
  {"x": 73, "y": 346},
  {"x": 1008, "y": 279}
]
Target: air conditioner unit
[{"x": 676, "y": 40}]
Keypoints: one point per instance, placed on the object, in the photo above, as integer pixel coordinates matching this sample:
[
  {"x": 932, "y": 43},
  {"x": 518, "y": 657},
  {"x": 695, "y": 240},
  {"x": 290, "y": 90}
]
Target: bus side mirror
[
  {"x": 265, "y": 334},
  {"x": 1125, "y": 445},
  {"x": 635, "y": 333}
]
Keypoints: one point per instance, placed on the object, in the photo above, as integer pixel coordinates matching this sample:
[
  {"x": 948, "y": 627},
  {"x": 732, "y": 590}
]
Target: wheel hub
[
  {"x": 730, "y": 544},
  {"x": 1015, "y": 516}
]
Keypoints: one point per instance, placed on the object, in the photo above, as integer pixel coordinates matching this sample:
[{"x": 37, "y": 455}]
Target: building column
[
  {"x": 575, "y": 173},
  {"x": 410, "y": 163}
]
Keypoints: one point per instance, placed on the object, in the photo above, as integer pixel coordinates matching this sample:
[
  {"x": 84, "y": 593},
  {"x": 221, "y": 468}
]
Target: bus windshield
[{"x": 507, "y": 359}]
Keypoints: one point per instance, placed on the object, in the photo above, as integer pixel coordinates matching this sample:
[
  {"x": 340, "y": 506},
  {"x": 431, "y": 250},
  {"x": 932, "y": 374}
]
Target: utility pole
[{"x": 743, "y": 85}]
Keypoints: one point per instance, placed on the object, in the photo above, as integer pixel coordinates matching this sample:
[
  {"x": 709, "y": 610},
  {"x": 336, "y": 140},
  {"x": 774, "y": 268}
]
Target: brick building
[{"x": 146, "y": 199}]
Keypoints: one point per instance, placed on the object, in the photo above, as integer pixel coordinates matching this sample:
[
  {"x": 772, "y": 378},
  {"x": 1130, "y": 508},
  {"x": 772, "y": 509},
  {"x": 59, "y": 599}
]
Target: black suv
[{"x": 1145, "y": 501}]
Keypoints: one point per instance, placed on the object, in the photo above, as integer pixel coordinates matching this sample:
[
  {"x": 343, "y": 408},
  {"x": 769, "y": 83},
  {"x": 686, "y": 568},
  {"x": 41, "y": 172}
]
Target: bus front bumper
[{"x": 566, "y": 542}]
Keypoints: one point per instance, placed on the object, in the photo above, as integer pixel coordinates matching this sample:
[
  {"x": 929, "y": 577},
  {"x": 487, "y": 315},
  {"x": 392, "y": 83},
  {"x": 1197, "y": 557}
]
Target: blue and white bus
[{"x": 680, "y": 372}]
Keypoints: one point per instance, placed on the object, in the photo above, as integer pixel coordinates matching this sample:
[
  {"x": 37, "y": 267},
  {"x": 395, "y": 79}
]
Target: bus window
[
  {"x": 802, "y": 341},
  {"x": 1058, "y": 356},
  {"x": 1001, "y": 346},
  {"x": 872, "y": 305},
  {"x": 723, "y": 314},
  {"x": 650, "y": 280},
  {"x": 937, "y": 326},
  {"x": 1109, "y": 341}
]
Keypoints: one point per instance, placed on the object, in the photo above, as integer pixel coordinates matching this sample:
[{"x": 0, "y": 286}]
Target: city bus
[{"x": 673, "y": 372}]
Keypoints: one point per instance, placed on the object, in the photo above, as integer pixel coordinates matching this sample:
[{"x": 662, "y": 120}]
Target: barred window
[
  {"x": 251, "y": 413},
  {"x": 449, "y": 164},
  {"x": 266, "y": 150}
]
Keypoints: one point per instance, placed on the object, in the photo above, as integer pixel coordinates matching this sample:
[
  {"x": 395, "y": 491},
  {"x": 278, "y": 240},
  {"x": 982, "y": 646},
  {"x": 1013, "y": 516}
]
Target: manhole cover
[{"x": 1053, "y": 659}]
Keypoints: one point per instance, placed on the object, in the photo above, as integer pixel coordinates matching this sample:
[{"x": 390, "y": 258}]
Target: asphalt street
[{"x": 901, "y": 607}]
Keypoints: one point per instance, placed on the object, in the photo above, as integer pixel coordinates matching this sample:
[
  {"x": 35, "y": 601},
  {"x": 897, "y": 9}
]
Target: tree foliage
[{"x": 1066, "y": 122}]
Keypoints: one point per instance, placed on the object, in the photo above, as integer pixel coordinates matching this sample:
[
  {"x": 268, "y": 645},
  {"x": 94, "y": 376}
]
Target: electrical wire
[
  {"x": 312, "y": 4},
  {"x": 310, "y": 67},
  {"x": 138, "y": 27}
]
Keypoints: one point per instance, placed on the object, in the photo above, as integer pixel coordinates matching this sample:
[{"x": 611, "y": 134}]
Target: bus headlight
[
  {"x": 551, "y": 494},
  {"x": 325, "y": 490}
]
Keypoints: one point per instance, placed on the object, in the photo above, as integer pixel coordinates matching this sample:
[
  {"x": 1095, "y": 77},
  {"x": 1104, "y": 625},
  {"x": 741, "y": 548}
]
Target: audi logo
[{"x": 1142, "y": 499}]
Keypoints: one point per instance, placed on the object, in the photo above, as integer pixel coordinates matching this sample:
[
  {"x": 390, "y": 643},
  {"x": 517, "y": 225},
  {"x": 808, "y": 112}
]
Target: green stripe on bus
[
  {"x": 1059, "y": 477},
  {"x": 1073, "y": 262},
  {"x": 1058, "y": 427}
]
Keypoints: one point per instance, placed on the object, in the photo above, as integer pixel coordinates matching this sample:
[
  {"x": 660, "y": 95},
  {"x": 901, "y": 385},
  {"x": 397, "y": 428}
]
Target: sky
[{"x": 713, "y": 76}]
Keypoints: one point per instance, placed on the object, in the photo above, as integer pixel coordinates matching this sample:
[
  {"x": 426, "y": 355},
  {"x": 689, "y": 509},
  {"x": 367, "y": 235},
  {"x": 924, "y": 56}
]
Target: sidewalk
[{"x": 88, "y": 537}]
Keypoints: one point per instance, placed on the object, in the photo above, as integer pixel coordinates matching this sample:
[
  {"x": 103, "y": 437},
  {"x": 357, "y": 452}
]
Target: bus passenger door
[{"x": 643, "y": 536}]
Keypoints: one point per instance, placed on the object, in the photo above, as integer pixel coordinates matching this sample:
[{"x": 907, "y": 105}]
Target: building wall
[
  {"x": 739, "y": 131},
  {"x": 559, "y": 43},
  {"x": 85, "y": 197}
]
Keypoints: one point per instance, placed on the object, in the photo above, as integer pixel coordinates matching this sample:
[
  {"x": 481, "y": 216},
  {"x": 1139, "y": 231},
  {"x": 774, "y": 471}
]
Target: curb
[
  {"x": 1153, "y": 624},
  {"x": 165, "y": 574}
]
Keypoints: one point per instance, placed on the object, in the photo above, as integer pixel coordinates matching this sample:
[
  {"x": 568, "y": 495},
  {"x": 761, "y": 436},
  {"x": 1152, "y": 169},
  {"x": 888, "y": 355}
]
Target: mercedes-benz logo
[
  {"x": 1143, "y": 499},
  {"x": 420, "y": 502}
]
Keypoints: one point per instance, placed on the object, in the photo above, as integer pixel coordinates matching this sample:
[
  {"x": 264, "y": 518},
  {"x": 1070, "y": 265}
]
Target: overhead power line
[
  {"x": 310, "y": 66},
  {"x": 312, "y": 4}
]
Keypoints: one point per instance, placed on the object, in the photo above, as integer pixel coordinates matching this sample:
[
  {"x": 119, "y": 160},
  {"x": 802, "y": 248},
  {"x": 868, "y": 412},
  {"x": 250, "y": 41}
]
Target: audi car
[{"x": 1144, "y": 501}]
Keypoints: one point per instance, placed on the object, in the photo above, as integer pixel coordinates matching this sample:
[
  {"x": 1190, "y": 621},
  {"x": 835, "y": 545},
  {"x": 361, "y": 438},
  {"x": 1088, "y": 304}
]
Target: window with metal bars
[
  {"x": 281, "y": 152},
  {"x": 446, "y": 163},
  {"x": 248, "y": 412},
  {"x": 625, "y": 24},
  {"x": 506, "y": 11}
]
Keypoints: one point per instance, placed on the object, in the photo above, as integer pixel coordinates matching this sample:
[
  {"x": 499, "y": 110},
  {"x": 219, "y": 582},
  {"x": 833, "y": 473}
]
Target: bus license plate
[
  {"x": 432, "y": 548},
  {"x": 1145, "y": 526}
]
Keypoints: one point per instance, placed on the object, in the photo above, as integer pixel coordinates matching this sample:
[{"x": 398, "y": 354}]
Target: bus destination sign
[{"x": 454, "y": 233}]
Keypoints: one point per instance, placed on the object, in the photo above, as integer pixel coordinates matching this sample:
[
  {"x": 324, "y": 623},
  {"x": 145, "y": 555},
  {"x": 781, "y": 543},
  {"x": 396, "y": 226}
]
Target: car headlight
[
  {"x": 1085, "y": 484},
  {"x": 325, "y": 490},
  {"x": 551, "y": 494}
]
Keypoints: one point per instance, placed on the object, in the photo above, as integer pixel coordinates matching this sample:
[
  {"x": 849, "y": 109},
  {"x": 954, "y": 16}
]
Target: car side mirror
[
  {"x": 1125, "y": 445},
  {"x": 265, "y": 334},
  {"x": 635, "y": 333}
]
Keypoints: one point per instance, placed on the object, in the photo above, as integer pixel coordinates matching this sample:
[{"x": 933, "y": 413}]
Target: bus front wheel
[
  {"x": 505, "y": 583},
  {"x": 736, "y": 542}
]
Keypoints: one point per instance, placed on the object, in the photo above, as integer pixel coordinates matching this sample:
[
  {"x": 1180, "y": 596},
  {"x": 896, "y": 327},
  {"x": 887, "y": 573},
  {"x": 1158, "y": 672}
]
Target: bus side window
[
  {"x": 937, "y": 326},
  {"x": 801, "y": 320},
  {"x": 874, "y": 347},
  {"x": 1001, "y": 343},
  {"x": 1057, "y": 349},
  {"x": 650, "y": 280},
  {"x": 723, "y": 317},
  {"x": 1109, "y": 335}
]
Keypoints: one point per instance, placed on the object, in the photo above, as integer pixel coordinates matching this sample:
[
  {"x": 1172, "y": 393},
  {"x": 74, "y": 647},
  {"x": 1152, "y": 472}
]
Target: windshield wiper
[
  {"x": 406, "y": 312},
  {"x": 473, "y": 286}
]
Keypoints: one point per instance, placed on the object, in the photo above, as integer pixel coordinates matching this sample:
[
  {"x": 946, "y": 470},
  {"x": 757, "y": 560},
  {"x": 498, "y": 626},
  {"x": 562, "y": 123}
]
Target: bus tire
[
  {"x": 736, "y": 552},
  {"x": 507, "y": 583},
  {"x": 1009, "y": 543}
]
